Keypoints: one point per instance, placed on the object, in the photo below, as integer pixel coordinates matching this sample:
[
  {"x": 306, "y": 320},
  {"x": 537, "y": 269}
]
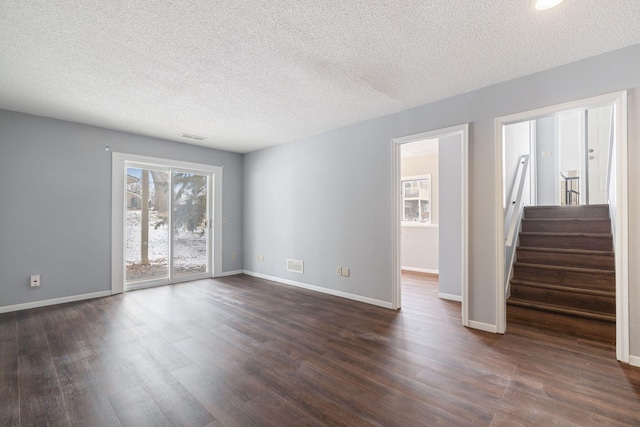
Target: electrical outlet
[
  {"x": 260, "y": 258},
  {"x": 35, "y": 281},
  {"x": 233, "y": 256},
  {"x": 339, "y": 271}
]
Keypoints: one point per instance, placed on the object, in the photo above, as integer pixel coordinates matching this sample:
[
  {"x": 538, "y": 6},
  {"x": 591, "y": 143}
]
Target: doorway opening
[
  {"x": 413, "y": 203},
  {"x": 420, "y": 207},
  {"x": 576, "y": 155},
  {"x": 165, "y": 221}
]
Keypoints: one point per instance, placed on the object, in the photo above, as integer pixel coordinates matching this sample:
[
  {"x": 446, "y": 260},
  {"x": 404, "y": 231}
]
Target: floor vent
[{"x": 295, "y": 266}]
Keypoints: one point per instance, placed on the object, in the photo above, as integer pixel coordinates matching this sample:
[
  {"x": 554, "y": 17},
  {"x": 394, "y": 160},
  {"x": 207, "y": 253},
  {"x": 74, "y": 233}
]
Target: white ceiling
[
  {"x": 423, "y": 147},
  {"x": 248, "y": 74}
]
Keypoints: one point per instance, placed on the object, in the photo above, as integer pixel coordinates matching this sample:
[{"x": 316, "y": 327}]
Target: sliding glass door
[
  {"x": 167, "y": 225},
  {"x": 190, "y": 223},
  {"x": 147, "y": 236}
]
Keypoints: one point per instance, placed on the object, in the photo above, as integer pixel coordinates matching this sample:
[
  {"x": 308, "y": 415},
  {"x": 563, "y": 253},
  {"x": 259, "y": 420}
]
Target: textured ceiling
[
  {"x": 250, "y": 74},
  {"x": 423, "y": 147}
]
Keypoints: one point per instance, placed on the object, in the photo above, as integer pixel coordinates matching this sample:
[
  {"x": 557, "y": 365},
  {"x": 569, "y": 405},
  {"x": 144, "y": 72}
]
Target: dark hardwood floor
[{"x": 245, "y": 351}]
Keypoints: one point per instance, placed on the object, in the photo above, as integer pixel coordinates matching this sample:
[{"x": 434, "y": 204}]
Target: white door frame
[
  {"x": 621, "y": 238},
  {"x": 118, "y": 196},
  {"x": 533, "y": 165},
  {"x": 396, "y": 193}
]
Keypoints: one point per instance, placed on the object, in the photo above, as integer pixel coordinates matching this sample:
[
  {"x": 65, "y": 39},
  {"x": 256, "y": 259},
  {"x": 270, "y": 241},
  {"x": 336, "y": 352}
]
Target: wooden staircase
[{"x": 564, "y": 274}]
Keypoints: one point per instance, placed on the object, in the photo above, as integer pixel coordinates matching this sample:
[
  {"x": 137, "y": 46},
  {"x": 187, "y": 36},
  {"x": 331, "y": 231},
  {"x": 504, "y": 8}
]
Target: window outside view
[
  {"x": 416, "y": 194},
  {"x": 147, "y": 227}
]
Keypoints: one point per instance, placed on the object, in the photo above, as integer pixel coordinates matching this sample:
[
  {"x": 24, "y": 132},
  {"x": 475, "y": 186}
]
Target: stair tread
[
  {"x": 567, "y": 251},
  {"x": 595, "y": 292},
  {"x": 562, "y": 267},
  {"x": 583, "y": 211},
  {"x": 565, "y": 219},
  {"x": 565, "y": 278},
  {"x": 580, "y": 258},
  {"x": 562, "y": 309},
  {"x": 551, "y": 233},
  {"x": 594, "y": 205}
]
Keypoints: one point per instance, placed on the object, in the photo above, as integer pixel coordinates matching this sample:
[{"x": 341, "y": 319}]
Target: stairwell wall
[
  {"x": 517, "y": 142},
  {"x": 547, "y": 184}
]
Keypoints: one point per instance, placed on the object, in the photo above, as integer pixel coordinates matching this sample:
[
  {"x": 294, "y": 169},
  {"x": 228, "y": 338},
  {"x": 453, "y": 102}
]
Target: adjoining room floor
[{"x": 246, "y": 351}]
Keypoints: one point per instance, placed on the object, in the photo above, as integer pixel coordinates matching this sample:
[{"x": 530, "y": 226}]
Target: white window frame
[{"x": 409, "y": 223}]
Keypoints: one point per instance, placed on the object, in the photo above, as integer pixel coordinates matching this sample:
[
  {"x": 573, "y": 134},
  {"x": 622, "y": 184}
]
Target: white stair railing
[{"x": 513, "y": 215}]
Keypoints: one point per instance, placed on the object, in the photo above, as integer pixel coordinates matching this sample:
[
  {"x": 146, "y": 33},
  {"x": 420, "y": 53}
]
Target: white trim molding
[
  {"x": 396, "y": 214},
  {"x": 634, "y": 361},
  {"x": 621, "y": 238},
  {"x": 417, "y": 224},
  {"x": 450, "y": 297},
  {"x": 621, "y": 241},
  {"x": 320, "y": 289},
  {"x": 483, "y": 326},
  {"x": 55, "y": 301},
  {"x": 230, "y": 273},
  {"x": 420, "y": 270}
]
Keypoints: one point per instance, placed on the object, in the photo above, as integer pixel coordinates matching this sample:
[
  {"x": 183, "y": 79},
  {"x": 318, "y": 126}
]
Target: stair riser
[
  {"x": 594, "y": 243},
  {"x": 602, "y": 226},
  {"x": 586, "y": 328},
  {"x": 597, "y": 303},
  {"x": 604, "y": 281},
  {"x": 600, "y": 262},
  {"x": 599, "y": 211}
]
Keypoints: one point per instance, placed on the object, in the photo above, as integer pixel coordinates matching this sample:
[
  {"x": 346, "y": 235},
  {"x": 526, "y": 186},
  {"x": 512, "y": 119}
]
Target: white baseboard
[
  {"x": 634, "y": 361},
  {"x": 44, "y": 303},
  {"x": 420, "y": 270},
  {"x": 483, "y": 326},
  {"x": 321, "y": 289},
  {"x": 450, "y": 297},
  {"x": 229, "y": 273}
]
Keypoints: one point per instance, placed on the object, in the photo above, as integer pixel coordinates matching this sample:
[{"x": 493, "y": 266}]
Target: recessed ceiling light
[{"x": 547, "y": 4}]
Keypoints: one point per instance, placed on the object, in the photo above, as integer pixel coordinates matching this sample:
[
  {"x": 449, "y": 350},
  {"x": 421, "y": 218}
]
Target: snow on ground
[{"x": 190, "y": 249}]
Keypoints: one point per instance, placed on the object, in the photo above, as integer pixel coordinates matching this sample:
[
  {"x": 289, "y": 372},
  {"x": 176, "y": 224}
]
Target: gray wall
[
  {"x": 451, "y": 229},
  {"x": 548, "y": 173},
  {"x": 327, "y": 199},
  {"x": 55, "y": 203}
]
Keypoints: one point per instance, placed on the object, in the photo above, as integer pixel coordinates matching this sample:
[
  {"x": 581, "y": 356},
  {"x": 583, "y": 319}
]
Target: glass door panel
[
  {"x": 190, "y": 197},
  {"x": 147, "y": 229}
]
